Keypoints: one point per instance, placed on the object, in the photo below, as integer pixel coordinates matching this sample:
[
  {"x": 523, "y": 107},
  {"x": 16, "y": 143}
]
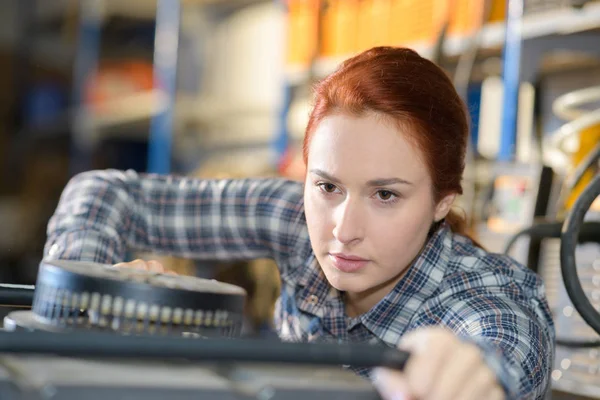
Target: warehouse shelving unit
[
  {"x": 536, "y": 33},
  {"x": 493, "y": 36},
  {"x": 163, "y": 104},
  {"x": 522, "y": 47}
]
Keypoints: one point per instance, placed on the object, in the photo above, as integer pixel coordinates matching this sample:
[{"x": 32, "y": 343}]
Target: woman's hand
[
  {"x": 151, "y": 265},
  {"x": 441, "y": 367}
]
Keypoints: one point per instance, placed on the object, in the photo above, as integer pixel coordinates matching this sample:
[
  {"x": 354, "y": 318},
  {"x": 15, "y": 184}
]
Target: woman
[{"x": 368, "y": 247}]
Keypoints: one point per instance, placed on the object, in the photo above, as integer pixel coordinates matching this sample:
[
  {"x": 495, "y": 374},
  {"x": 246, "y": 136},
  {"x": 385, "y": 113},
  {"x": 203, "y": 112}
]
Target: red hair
[{"x": 413, "y": 92}]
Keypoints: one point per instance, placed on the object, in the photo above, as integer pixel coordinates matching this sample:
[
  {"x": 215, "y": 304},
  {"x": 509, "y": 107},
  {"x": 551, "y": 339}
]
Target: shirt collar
[{"x": 390, "y": 317}]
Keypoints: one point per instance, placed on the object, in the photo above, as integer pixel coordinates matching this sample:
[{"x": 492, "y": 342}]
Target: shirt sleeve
[
  {"x": 517, "y": 342},
  {"x": 512, "y": 326},
  {"x": 102, "y": 215}
]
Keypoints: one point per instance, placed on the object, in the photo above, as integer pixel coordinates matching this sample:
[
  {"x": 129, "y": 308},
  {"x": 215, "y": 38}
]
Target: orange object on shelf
[
  {"x": 114, "y": 80},
  {"x": 466, "y": 15},
  {"x": 498, "y": 11},
  {"x": 339, "y": 27},
  {"x": 302, "y": 31},
  {"x": 415, "y": 21},
  {"x": 374, "y": 23}
]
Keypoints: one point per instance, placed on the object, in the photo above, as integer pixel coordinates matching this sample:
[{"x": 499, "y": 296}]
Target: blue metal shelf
[
  {"x": 165, "y": 66},
  {"x": 511, "y": 79},
  {"x": 86, "y": 61},
  {"x": 166, "y": 44}
]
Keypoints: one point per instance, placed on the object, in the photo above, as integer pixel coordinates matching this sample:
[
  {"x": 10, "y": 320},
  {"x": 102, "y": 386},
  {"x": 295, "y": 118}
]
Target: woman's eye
[
  {"x": 328, "y": 187},
  {"x": 385, "y": 195}
]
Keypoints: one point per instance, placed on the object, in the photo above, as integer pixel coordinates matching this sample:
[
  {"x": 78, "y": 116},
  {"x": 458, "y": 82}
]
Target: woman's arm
[
  {"x": 516, "y": 337},
  {"x": 103, "y": 214},
  {"x": 506, "y": 326},
  {"x": 479, "y": 345}
]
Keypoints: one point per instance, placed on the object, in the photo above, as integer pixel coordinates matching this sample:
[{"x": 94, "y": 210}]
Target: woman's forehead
[{"x": 364, "y": 147}]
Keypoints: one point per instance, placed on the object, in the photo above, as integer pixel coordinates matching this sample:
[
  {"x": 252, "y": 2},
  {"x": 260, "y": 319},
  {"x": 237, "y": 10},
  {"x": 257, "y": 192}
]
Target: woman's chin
[{"x": 344, "y": 282}]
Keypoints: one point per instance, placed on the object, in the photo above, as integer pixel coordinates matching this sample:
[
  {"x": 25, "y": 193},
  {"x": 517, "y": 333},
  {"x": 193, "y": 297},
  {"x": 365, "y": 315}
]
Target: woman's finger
[
  {"x": 461, "y": 365},
  {"x": 136, "y": 264},
  {"x": 430, "y": 349},
  {"x": 155, "y": 266},
  {"x": 482, "y": 385},
  {"x": 391, "y": 384},
  {"x": 496, "y": 394}
]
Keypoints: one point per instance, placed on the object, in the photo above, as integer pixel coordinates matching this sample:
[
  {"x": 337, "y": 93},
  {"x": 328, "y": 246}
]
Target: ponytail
[{"x": 457, "y": 222}]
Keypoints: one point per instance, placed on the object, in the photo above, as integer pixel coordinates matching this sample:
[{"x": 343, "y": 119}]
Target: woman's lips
[{"x": 347, "y": 262}]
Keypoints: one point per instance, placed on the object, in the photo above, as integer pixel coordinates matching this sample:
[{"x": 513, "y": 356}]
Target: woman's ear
[{"x": 443, "y": 207}]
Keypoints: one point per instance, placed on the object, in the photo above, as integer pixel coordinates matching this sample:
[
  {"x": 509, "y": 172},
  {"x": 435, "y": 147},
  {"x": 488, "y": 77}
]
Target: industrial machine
[{"x": 95, "y": 331}]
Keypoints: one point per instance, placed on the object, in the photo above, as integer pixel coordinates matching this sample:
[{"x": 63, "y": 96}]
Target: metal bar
[
  {"x": 166, "y": 44},
  {"x": 511, "y": 79},
  {"x": 86, "y": 61},
  {"x": 93, "y": 344},
  {"x": 16, "y": 295},
  {"x": 282, "y": 141}
]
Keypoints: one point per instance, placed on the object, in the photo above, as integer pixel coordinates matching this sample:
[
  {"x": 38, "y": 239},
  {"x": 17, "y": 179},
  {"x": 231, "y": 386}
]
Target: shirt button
[{"x": 312, "y": 299}]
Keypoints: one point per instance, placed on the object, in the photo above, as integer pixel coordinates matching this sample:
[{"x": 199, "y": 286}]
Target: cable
[
  {"x": 569, "y": 238},
  {"x": 16, "y": 295},
  {"x": 577, "y": 344},
  {"x": 85, "y": 344},
  {"x": 590, "y": 232}
]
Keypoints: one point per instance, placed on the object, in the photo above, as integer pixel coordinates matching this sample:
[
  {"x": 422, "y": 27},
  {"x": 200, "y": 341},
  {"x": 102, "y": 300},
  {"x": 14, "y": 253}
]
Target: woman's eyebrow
[
  {"x": 387, "y": 181},
  {"x": 324, "y": 175},
  {"x": 372, "y": 182}
]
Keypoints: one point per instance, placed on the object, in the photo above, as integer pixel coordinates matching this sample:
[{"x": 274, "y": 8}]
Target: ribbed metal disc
[{"x": 98, "y": 296}]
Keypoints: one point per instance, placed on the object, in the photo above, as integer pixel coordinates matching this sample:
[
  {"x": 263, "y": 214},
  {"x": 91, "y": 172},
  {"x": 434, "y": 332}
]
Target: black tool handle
[
  {"x": 16, "y": 295},
  {"x": 92, "y": 344}
]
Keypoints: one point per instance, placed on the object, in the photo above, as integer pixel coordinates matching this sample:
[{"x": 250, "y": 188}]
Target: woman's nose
[{"x": 349, "y": 224}]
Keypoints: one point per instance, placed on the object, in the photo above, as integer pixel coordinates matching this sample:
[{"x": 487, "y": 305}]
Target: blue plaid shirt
[{"x": 485, "y": 298}]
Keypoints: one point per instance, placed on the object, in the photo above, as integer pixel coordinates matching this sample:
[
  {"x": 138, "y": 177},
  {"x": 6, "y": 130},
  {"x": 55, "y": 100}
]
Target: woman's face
[{"x": 368, "y": 204}]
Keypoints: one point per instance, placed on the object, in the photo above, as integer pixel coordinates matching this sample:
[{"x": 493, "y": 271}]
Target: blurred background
[{"x": 222, "y": 88}]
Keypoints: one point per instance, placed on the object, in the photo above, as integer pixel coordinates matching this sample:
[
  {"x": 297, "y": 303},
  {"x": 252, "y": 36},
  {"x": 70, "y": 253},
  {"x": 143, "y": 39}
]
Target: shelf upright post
[
  {"x": 511, "y": 79},
  {"x": 166, "y": 45},
  {"x": 282, "y": 142},
  {"x": 281, "y": 139},
  {"x": 85, "y": 64}
]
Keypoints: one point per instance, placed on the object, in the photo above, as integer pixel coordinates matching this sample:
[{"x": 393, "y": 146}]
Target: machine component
[
  {"x": 88, "y": 296},
  {"x": 90, "y": 304},
  {"x": 57, "y": 378},
  {"x": 96, "y": 331},
  {"x": 85, "y": 344},
  {"x": 16, "y": 295},
  {"x": 576, "y": 144},
  {"x": 568, "y": 244},
  {"x": 74, "y": 365},
  {"x": 588, "y": 232},
  {"x": 576, "y": 368}
]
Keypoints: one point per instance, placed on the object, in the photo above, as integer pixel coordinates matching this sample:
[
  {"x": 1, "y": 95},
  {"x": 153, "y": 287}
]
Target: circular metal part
[
  {"x": 568, "y": 244},
  {"x": 73, "y": 295}
]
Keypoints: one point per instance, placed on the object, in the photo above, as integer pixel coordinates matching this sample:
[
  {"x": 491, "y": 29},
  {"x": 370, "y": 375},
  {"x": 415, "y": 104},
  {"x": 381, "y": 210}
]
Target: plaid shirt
[{"x": 485, "y": 298}]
